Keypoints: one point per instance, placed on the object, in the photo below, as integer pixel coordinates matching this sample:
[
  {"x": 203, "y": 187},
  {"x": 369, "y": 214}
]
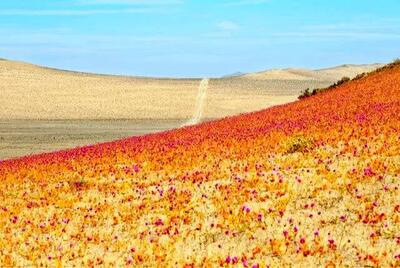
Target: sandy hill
[
  {"x": 34, "y": 92},
  {"x": 314, "y": 183},
  {"x": 329, "y": 74}
]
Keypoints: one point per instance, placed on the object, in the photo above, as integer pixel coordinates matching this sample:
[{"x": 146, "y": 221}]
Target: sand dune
[
  {"x": 329, "y": 74},
  {"x": 33, "y": 92}
]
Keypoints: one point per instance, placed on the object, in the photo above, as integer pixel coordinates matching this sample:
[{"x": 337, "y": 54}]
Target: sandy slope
[
  {"x": 328, "y": 74},
  {"x": 33, "y": 92}
]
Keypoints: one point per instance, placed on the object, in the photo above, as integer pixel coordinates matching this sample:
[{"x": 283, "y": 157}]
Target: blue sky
[{"x": 184, "y": 38}]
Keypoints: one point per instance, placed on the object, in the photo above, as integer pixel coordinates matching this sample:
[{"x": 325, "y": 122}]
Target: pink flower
[
  {"x": 285, "y": 233},
  {"x": 159, "y": 222},
  {"x": 234, "y": 260},
  {"x": 246, "y": 209},
  {"x": 135, "y": 168},
  {"x": 368, "y": 172},
  {"x": 228, "y": 259},
  {"x": 302, "y": 240},
  {"x": 129, "y": 260}
]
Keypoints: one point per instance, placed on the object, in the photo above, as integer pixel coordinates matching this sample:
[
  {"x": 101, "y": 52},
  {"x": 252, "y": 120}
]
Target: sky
[{"x": 187, "y": 38}]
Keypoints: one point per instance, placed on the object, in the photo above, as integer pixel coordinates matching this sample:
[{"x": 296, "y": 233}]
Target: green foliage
[
  {"x": 297, "y": 143},
  {"x": 305, "y": 93},
  {"x": 359, "y": 76}
]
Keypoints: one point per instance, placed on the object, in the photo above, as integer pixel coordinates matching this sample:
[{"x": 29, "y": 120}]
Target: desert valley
[
  {"x": 176, "y": 133},
  {"x": 310, "y": 183}
]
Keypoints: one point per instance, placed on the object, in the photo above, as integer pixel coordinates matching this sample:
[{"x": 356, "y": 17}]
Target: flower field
[{"x": 310, "y": 183}]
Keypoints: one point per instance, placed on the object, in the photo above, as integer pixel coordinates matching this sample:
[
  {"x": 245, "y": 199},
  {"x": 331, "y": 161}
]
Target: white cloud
[{"x": 227, "y": 25}]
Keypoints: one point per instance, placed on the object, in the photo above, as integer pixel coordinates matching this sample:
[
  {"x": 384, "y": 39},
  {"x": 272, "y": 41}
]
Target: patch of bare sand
[
  {"x": 25, "y": 137},
  {"x": 32, "y": 92}
]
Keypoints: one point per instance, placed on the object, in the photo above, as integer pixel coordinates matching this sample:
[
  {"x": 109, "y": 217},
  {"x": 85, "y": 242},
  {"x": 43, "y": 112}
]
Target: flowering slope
[{"x": 314, "y": 182}]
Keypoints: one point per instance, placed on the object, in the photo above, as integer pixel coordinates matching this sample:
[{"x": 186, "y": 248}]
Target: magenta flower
[
  {"x": 228, "y": 259},
  {"x": 285, "y": 233},
  {"x": 368, "y": 172},
  {"x": 135, "y": 168},
  {"x": 246, "y": 209},
  {"x": 159, "y": 222},
  {"x": 234, "y": 260}
]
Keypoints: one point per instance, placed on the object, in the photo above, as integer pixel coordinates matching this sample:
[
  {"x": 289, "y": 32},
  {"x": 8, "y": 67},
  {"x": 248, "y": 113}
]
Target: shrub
[
  {"x": 344, "y": 79},
  {"x": 359, "y": 76},
  {"x": 305, "y": 93},
  {"x": 297, "y": 143}
]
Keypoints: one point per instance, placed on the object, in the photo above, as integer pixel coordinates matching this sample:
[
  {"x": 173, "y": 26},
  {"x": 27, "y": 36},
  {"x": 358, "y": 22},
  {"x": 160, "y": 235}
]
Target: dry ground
[{"x": 24, "y": 137}]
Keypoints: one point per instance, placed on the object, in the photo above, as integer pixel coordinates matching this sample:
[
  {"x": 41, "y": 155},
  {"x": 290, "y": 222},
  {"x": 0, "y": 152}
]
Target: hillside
[
  {"x": 328, "y": 74},
  {"x": 34, "y": 92},
  {"x": 312, "y": 183}
]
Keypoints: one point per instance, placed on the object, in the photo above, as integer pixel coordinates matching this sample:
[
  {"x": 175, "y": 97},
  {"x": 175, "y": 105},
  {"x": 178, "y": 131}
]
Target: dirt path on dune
[{"x": 200, "y": 101}]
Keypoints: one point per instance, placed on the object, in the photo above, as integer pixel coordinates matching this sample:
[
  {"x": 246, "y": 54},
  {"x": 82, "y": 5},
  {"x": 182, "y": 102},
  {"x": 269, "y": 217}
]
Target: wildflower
[
  {"x": 129, "y": 260},
  {"x": 368, "y": 172},
  {"x": 228, "y": 259},
  {"x": 246, "y": 209},
  {"x": 234, "y": 260},
  {"x": 159, "y": 222},
  {"x": 285, "y": 233},
  {"x": 135, "y": 168}
]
